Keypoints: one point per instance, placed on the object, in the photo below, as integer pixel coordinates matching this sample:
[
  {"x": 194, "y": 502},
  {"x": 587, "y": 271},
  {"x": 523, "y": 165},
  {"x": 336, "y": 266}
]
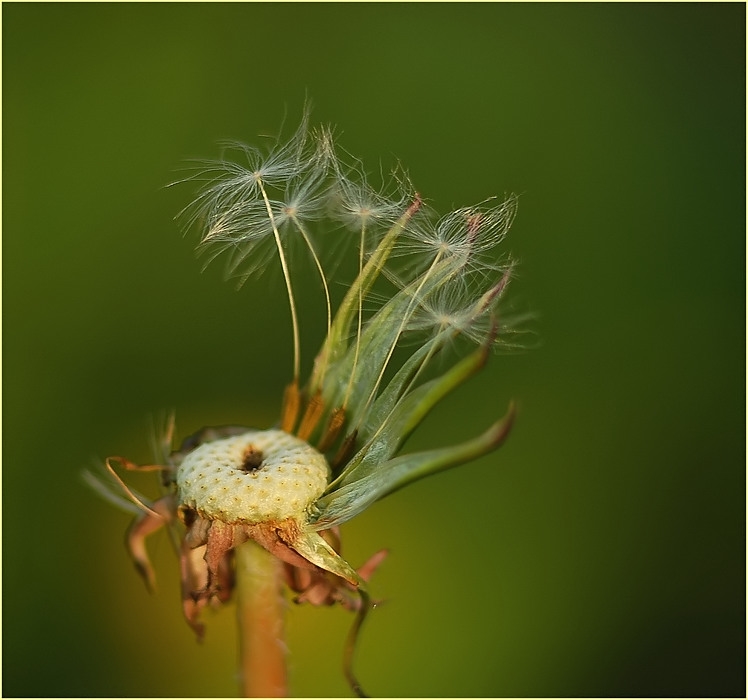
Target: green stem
[{"x": 262, "y": 651}]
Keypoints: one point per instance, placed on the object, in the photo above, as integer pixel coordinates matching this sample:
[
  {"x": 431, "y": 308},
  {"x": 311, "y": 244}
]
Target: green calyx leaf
[
  {"x": 364, "y": 370},
  {"x": 388, "y": 435},
  {"x": 336, "y": 342},
  {"x": 315, "y": 549},
  {"x": 347, "y": 501}
]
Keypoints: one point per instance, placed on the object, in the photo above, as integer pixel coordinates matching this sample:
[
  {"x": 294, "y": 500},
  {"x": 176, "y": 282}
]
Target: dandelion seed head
[
  {"x": 418, "y": 284},
  {"x": 469, "y": 236},
  {"x": 454, "y": 310},
  {"x": 359, "y": 205}
]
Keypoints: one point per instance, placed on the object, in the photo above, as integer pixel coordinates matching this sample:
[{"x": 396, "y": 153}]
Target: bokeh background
[{"x": 602, "y": 550}]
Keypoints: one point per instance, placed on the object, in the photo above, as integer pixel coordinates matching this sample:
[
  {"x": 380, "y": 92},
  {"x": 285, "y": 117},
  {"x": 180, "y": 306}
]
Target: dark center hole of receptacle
[{"x": 252, "y": 459}]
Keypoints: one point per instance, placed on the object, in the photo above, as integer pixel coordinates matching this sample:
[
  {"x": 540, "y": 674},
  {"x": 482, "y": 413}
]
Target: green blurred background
[{"x": 602, "y": 550}]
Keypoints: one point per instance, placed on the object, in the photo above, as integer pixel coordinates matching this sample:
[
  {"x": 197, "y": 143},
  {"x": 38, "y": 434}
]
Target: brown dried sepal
[
  {"x": 153, "y": 519},
  {"x": 207, "y": 547},
  {"x": 207, "y": 566},
  {"x": 319, "y": 587},
  {"x": 206, "y": 558}
]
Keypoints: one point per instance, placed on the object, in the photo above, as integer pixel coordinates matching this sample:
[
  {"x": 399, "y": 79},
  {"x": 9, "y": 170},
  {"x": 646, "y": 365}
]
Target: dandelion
[{"x": 249, "y": 508}]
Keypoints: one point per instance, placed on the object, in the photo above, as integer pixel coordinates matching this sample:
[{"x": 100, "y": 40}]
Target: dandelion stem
[
  {"x": 261, "y": 605},
  {"x": 289, "y": 289}
]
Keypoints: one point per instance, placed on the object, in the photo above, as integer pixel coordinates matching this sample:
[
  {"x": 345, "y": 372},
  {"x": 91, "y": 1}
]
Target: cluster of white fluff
[{"x": 256, "y": 205}]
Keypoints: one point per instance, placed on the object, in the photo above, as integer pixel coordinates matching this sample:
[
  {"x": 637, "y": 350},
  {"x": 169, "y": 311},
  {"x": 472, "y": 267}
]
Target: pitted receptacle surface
[{"x": 254, "y": 477}]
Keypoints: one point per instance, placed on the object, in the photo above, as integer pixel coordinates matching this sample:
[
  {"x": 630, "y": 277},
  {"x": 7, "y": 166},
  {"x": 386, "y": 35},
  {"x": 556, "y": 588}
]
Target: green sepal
[
  {"x": 315, "y": 549},
  {"x": 409, "y": 411},
  {"x": 348, "y": 501},
  {"x": 361, "y": 367},
  {"x": 398, "y": 386},
  {"x": 336, "y": 344}
]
